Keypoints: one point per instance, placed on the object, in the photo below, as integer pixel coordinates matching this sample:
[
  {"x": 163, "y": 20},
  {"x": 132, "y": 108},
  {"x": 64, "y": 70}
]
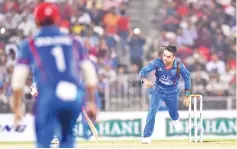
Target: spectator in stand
[
  {"x": 95, "y": 13},
  {"x": 216, "y": 65},
  {"x": 200, "y": 78},
  {"x": 109, "y": 72},
  {"x": 171, "y": 23},
  {"x": 111, "y": 3},
  {"x": 136, "y": 43},
  {"x": 110, "y": 21},
  {"x": 123, "y": 25},
  {"x": 90, "y": 40},
  {"x": 215, "y": 86},
  {"x": 204, "y": 38},
  {"x": 83, "y": 17},
  {"x": 66, "y": 10},
  {"x": 189, "y": 32}
]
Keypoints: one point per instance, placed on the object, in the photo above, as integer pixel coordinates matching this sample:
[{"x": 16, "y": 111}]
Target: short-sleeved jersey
[{"x": 52, "y": 55}]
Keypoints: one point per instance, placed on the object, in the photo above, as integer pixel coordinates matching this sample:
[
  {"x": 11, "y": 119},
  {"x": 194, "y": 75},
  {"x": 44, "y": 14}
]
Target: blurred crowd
[
  {"x": 203, "y": 30},
  {"x": 102, "y": 26},
  {"x": 205, "y": 33}
]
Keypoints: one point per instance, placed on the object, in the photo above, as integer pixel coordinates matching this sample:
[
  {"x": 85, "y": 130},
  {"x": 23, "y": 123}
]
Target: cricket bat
[{"x": 91, "y": 125}]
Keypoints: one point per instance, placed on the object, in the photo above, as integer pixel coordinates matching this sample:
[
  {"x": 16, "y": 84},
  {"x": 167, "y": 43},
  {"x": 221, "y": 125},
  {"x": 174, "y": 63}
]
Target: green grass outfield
[
  {"x": 207, "y": 143},
  {"x": 121, "y": 141}
]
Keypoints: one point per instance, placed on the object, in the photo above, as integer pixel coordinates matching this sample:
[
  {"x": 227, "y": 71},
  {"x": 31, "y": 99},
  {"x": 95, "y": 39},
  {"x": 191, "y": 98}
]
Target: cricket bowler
[{"x": 167, "y": 72}]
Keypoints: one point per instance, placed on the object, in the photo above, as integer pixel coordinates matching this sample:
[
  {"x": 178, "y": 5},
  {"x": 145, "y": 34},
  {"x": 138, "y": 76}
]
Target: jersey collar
[
  {"x": 49, "y": 28},
  {"x": 174, "y": 64}
]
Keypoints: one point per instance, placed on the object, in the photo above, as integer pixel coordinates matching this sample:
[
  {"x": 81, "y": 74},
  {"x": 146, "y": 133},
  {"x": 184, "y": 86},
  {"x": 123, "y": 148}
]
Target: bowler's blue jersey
[
  {"x": 52, "y": 56},
  {"x": 166, "y": 79}
]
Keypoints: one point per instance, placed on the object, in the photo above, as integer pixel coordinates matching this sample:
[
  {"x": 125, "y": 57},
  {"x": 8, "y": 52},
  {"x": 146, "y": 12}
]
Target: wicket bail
[{"x": 195, "y": 97}]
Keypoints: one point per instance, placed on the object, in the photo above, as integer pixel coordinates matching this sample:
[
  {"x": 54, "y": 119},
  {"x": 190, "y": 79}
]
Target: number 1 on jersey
[{"x": 57, "y": 52}]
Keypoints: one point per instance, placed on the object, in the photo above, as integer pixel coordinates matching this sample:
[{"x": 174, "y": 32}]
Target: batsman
[{"x": 167, "y": 72}]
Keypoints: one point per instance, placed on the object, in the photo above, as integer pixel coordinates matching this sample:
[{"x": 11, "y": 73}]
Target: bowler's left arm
[{"x": 187, "y": 83}]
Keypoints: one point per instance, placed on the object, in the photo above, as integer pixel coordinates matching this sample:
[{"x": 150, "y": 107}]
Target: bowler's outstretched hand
[{"x": 186, "y": 101}]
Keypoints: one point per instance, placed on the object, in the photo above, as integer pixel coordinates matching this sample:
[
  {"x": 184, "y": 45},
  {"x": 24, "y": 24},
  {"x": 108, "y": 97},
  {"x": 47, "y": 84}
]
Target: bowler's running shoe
[
  {"x": 177, "y": 125},
  {"x": 146, "y": 140},
  {"x": 55, "y": 141}
]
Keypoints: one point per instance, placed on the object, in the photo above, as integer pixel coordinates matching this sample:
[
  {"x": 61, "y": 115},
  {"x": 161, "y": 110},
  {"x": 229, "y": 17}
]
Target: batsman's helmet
[{"x": 46, "y": 14}]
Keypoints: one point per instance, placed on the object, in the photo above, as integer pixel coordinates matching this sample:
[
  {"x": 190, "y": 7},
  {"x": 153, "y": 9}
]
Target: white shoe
[
  {"x": 146, "y": 140},
  {"x": 178, "y": 125},
  {"x": 55, "y": 141}
]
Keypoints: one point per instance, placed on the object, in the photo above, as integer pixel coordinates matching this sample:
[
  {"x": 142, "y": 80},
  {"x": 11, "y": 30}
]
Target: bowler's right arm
[{"x": 146, "y": 70}]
